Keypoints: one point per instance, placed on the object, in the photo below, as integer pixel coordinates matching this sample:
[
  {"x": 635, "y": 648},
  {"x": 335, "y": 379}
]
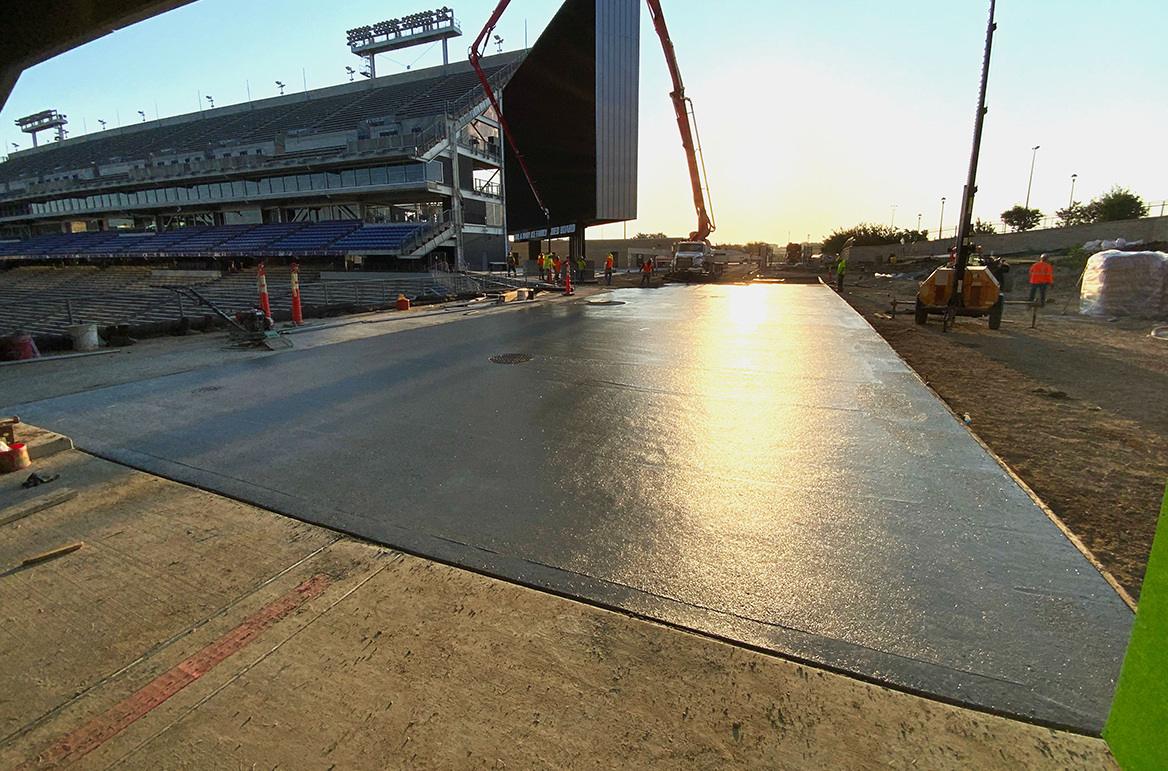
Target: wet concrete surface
[{"x": 753, "y": 462}]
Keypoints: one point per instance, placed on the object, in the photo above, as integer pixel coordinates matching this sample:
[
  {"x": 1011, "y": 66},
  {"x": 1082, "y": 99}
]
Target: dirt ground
[{"x": 1076, "y": 406}]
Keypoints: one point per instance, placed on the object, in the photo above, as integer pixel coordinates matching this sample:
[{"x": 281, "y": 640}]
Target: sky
[{"x": 812, "y": 116}]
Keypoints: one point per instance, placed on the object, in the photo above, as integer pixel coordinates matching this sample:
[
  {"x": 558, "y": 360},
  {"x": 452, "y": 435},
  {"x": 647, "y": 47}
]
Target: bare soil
[{"x": 1076, "y": 406}]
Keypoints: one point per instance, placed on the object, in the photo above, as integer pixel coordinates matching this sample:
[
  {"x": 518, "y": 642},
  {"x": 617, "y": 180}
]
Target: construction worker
[
  {"x": 1041, "y": 276},
  {"x": 581, "y": 264},
  {"x": 841, "y": 268},
  {"x": 608, "y": 268},
  {"x": 542, "y": 267},
  {"x": 557, "y": 265},
  {"x": 647, "y": 272}
]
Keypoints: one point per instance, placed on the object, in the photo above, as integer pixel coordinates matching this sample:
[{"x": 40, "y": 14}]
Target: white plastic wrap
[{"x": 1125, "y": 284}]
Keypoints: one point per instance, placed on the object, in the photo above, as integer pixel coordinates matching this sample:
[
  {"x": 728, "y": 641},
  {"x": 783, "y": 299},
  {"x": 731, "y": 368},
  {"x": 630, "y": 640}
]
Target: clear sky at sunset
[{"x": 812, "y": 116}]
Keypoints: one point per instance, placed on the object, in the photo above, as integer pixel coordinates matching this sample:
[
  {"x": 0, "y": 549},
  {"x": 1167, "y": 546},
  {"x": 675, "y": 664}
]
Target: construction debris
[{"x": 61, "y": 552}]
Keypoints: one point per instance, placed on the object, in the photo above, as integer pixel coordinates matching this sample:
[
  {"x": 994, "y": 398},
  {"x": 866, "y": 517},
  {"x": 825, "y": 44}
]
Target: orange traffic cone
[
  {"x": 297, "y": 315},
  {"x": 262, "y": 280}
]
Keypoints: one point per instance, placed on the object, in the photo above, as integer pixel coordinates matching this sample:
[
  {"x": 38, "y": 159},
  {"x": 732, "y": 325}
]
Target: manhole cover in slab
[{"x": 511, "y": 358}]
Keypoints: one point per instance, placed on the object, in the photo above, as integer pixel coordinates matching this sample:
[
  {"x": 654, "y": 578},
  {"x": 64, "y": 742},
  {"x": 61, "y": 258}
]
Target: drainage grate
[{"x": 511, "y": 358}]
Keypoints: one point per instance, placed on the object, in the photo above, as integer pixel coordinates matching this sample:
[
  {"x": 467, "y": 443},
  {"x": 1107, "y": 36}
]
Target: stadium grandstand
[
  {"x": 393, "y": 173},
  {"x": 397, "y": 183}
]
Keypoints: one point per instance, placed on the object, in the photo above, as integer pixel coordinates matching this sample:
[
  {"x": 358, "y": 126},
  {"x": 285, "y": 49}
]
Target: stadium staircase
[{"x": 428, "y": 238}]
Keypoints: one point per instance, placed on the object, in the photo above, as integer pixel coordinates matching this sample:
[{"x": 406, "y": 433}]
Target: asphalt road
[{"x": 753, "y": 462}]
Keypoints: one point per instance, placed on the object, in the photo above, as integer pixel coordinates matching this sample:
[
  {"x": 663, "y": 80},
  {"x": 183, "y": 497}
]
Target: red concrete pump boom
[
  {"x": 476, "y": 53},
  {"x": 682, "y": 106}
]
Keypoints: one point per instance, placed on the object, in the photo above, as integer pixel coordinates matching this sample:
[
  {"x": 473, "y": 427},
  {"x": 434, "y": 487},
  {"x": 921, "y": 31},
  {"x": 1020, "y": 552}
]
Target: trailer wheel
[
  {"x": 996, "y": 315},
  {"x": 922, "y": 315}
]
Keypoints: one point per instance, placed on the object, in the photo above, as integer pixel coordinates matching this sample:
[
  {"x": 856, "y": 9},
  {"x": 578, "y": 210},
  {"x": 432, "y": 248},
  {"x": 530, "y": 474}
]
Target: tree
[
  {"x": 1116, "y": 204},
  {"x": 650, "y": 235},
  {"x": 983, "y": 228},
  {"x": 1075, "y": 214},
  {"x": 1020, "y": 218},
  {"x": 866, "y": 234}
]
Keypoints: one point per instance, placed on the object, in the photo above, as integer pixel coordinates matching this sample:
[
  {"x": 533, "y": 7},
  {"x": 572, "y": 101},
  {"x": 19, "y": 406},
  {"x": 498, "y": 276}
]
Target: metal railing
[
  {"x": 462, "y": 283},
  {"x": 488, "y": 187},
  {"x": 468, "y": 101}
]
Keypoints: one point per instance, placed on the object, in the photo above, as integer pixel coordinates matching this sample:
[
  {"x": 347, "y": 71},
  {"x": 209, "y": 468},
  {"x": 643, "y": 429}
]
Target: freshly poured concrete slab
[{"x": 750, "y": 461}]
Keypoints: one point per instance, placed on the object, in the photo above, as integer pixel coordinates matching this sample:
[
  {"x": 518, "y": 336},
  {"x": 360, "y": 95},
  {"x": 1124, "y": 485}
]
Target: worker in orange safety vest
[
  {"x": 608, "y": 269},
  {"x": 1041, "y": 276},
  {"x": 647, "y": 271}
]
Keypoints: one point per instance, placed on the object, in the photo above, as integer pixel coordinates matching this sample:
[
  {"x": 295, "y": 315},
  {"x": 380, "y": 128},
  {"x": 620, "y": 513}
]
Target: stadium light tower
[
  {"x": 414, "y": 29},
  {"x": 280, "y": 86},
  {"x": 47, "y": 119}
]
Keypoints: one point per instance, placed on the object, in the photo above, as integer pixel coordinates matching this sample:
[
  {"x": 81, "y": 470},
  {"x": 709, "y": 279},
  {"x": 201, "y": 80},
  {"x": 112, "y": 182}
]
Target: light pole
[
  {"x": 1072, "y": 201},
  {"x": 211, "y": 99},
  {"x": 918, "y": 223},
  {"x": 893, "y": 225},
  {"x": 941, "y": 222},
  {"x": 1033, "y": 157}
]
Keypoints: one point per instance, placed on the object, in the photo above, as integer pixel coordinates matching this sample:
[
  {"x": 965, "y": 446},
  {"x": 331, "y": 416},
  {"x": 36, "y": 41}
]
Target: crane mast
[{"x": 682, "y": 106}]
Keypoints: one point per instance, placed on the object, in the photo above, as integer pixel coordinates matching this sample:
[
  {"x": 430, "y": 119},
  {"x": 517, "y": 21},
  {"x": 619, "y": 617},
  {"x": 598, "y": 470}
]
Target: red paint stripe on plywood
[{"x": 79, "y": 743}]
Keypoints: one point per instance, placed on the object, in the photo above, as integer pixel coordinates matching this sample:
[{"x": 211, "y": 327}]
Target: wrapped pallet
[{"x": 1119, "y": 283}]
